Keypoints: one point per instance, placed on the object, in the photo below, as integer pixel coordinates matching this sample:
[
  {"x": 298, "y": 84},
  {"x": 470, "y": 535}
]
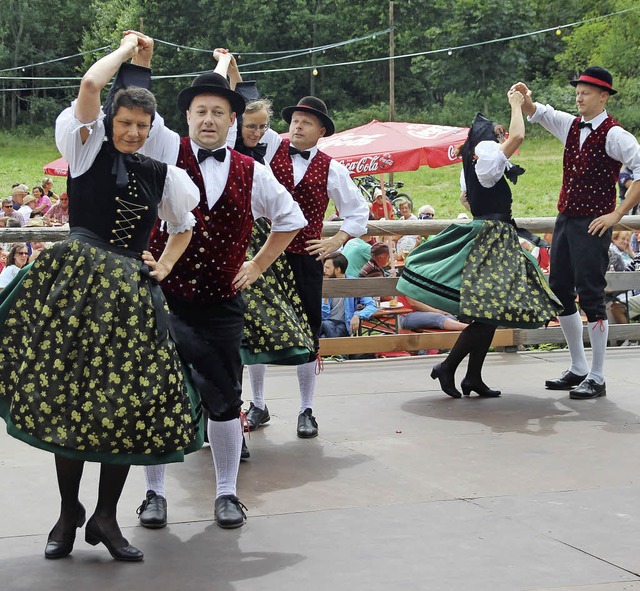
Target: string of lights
[{"x": 297, "y": 53}]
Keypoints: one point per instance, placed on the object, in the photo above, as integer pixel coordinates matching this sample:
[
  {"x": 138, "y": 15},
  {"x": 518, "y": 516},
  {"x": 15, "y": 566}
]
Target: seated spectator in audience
[
  {"x": 18, "y": 257},
  {"x": 43, "y": 203},
  {"x": 59, "y": 213},
  {"x": 3, "y": 258},
  {"x": 426, "y": 317},
  {"x": 403, "y": 245},
  {"x": 18, "y": 193},
  {"x": 380, "y": 257},
  {"x": 426, "y": 212},
  {"x": 28, "y": 207},
  {"x": 10, "y": 213},
  {"x": 36, "y": 248},
  {"x": 358, "y": 252},
  {"x": 47, "y": 185},
  {"x": 341, "y": 316},
  {"x": 543, "y": 253},
  {"x": 620, "y": 253},
  {"x": 381, "y": 209}
]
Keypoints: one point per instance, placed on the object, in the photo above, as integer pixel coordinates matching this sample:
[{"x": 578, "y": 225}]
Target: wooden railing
[{"x": 387, "y": 287}]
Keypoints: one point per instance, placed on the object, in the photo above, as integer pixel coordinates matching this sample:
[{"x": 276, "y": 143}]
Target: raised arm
[
  {"x": 97, "y": 77},
  {"x": 516, "y": 125}
]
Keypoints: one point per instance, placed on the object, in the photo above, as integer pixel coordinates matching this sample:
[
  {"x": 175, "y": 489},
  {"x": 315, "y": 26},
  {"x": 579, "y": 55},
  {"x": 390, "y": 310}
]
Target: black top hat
[
  {"x": 314, "y": 106},
  {"x": 211, "y": 83},
  {"x": 596, "y": 76}
]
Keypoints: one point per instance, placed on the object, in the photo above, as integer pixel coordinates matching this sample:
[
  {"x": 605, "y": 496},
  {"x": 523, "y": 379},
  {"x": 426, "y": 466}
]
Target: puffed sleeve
[
  {"x": 179, "y": 197},
  {"x": 491, "y": 163},
  {"x": 79, "y": 156}
]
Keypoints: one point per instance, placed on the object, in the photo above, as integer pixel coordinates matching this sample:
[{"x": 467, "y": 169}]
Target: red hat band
[{"x": 596, "y": 81}]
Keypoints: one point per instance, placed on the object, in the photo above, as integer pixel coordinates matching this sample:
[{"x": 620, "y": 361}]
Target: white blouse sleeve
[
  {"x": 271, "y": 200},
  {"x": 179, "y": 197},
  {"x": 79, "y": 156},
  {"x": 491, "y": 163}
]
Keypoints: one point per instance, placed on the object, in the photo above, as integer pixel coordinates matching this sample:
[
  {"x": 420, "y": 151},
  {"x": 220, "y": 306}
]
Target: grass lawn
[{"x": 535, "y": 195}]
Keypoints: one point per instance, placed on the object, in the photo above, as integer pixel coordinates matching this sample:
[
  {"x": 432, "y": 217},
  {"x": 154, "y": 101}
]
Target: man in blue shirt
[{"x": 341, "y": 316}]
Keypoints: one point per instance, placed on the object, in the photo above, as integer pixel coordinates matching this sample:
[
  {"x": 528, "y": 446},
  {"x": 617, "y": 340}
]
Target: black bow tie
[
  {"x": 304, "y": 153},
  {"x": 583, "y": 124},
  {"x": 218, "y": 154}
]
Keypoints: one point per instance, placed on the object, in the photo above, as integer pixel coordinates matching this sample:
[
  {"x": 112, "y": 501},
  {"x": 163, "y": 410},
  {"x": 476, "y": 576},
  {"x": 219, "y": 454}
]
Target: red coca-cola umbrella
[
  {"x": 58, "y": 167},
  {"x": 378, "y": 147}
]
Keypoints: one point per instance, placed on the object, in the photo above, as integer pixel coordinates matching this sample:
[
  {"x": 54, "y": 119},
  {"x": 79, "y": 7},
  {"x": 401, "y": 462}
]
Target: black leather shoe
[
  {"x": 55, "y": 549},
  {"x": 229, "y": 512},
  {"x": 566, "y": 381},
  {"x": 307, "y": 425},
  {"x": 93, "y": 535},
  {"x": 479, "y": 387},
  {"x": 589, "y": 389},
  {"x": 256, "y": 417},
  {"x": 244, "y": 454},
  {"x": 153, "y": 511},
  {"x": 447, "y": 383}
]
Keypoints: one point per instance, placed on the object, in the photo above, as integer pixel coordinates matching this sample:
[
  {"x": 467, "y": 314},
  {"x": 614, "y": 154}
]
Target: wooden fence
[{"x": 387, "y": 287}]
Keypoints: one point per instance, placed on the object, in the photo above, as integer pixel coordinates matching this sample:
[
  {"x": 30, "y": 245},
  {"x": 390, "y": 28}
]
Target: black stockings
[{"x": 474, "y": 341}]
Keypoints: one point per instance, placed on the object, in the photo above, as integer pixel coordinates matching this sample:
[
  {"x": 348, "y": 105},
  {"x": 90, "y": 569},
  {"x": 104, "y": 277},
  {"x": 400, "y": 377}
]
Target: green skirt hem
[{"x": 288, "y": 356}]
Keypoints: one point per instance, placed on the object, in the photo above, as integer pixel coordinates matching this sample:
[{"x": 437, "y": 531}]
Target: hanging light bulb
[
  {"x": 450, "y": 52},
  {"x": 315, "y": 71},
  {"x": 558, "y": 31}
]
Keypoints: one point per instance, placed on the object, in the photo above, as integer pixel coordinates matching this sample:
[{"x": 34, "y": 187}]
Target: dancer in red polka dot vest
[
  {"x": 313, "y": 178},
  {"x": 207, "y": 308},
  {"x": 595, "y": 147}
]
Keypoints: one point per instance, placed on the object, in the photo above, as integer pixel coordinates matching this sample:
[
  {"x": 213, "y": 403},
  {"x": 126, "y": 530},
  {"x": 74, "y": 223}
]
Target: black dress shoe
[
  {"x": 307, "y": 425},
  {"x": 93, "y": 535},
  {"x": 55, "y": 549},
  {"x": 229, "y": 512},
  {"x": 256, "y": 417},
  {"x": 244, "y": 453},
  {"x": 566, "y": 381},
  {"x": 447, "y": 382},
  {"x": 153, "y": 511},
  {"x": 589, "y": 389},
  {"x": 479, "y": 387}
]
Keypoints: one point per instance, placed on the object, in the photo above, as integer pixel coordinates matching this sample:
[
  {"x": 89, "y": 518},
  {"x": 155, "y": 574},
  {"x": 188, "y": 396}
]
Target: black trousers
[
  {"x": 308, "y": 275},
  {"x": 208, "y": 341},
  {"x": 579, "y": 262}
]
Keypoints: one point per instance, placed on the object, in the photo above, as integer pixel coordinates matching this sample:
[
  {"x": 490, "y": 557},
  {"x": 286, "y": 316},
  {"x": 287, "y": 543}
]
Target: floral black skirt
[
  {"x": 479, "y": 271},
  {"x": 276, "y": 329},
  {"x": 85, "y": 372}
]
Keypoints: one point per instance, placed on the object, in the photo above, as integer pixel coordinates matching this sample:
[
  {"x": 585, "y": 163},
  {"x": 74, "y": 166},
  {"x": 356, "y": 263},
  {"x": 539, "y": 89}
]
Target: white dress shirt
[
  {"x": 620, "y": 144},
  {"x": 341, "y": 189},
  {"x": 180, "y": 195},
  {"x": 268, "y": 197},
  {"x": 490, "y": 166}
]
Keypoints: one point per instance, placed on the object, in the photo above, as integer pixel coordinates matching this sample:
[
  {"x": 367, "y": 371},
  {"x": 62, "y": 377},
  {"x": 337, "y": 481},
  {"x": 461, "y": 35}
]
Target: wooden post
[{"x": 392, "y": 81}]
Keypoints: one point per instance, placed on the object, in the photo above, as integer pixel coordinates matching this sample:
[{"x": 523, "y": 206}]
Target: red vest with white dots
[
  {"x": 310, "y": 192},
  {"x": 204, "y": 273},
  {"x": 589, "y": 174}
]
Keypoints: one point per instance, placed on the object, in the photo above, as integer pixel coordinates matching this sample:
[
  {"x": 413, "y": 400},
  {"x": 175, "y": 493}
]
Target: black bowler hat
[
  {"x": 211, "y": 83},
  {"x": 314, "y": 106},
  {"x": 596, "y": 76}
]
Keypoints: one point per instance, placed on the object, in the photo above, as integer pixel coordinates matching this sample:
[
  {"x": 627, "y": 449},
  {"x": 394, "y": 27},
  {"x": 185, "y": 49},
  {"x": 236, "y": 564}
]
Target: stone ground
[{"x": 405, "y": 488}]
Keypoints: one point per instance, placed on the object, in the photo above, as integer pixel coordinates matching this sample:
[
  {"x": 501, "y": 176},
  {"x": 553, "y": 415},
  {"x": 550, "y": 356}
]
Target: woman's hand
[
  {"x": 145, "y": 49},
  {"x": 516, "y": 98},
  {"x": 159, "y": 269},
  {"x": 247, "y": 275}
]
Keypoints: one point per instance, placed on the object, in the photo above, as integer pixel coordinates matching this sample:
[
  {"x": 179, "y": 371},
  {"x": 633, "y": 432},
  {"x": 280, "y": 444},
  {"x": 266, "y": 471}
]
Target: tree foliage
[{"x": 444, "y": 86}]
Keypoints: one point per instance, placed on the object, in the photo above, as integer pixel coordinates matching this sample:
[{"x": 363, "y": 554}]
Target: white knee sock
[
  {"x": 598, "y": 335},
  {"x": 307, "y": 378},
  {"x": 225, "y": 439},
  {"x": 154, "y": 476},
  {"x": 572, "y": 329},
  {"x": 256, "y": 377}
]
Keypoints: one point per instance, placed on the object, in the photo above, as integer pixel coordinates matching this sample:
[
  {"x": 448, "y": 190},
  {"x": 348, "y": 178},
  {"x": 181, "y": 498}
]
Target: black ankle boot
[
  {"x": 447, "y": 381},
  {"x": 476, "y": 385}
]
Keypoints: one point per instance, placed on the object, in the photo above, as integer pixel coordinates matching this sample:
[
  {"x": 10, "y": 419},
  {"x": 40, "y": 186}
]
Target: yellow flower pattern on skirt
[
  {"x": 81, "y": 362},
  {"x": 275, "y": 319},
  {"x": 501, "y": 283}
]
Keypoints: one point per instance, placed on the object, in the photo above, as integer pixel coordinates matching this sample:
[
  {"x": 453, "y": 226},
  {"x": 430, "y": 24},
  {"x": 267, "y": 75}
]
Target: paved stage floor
[{"x": 404, "y": 489}]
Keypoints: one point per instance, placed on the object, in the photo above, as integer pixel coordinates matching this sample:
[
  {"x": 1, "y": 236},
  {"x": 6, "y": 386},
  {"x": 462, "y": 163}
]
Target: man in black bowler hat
[
  {"x": 312, "y": 178},
  {"x": 595, "y": 146},
  {"x": 204, "y": 296}
]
